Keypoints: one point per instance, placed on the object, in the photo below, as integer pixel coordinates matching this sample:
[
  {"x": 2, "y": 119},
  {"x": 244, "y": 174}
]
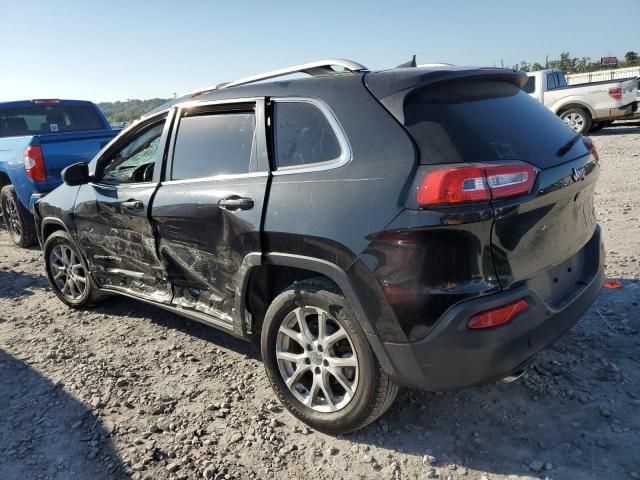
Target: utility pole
[{"x": 501, "y": 63}]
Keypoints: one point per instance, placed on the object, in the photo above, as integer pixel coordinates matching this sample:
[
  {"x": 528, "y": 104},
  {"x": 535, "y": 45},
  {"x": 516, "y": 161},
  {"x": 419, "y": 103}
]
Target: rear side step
[{"x": 514, "y": 376}]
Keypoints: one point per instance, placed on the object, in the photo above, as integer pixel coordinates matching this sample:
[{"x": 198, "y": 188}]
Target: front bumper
[{"x": 451, "y": 356}]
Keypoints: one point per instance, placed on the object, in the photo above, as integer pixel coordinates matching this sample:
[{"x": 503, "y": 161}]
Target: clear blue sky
[{"x": 119, "y": 49}]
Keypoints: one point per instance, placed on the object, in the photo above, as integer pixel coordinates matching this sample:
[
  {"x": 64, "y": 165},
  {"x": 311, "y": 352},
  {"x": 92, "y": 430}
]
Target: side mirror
[{"x": 76, "y": 174}]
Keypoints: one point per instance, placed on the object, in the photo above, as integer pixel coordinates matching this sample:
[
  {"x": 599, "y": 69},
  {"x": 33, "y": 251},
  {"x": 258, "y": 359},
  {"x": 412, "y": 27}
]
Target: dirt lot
[{"x": 128, "y": 390}]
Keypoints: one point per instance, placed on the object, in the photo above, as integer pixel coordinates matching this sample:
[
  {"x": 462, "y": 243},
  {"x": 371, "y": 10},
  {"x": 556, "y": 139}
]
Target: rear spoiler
[{"x": 391, "y": 87}]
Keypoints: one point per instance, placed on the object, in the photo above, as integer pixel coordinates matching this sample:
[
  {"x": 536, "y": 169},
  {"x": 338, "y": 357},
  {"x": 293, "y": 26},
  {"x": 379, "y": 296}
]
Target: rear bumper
[{"x": 452, "y": 356}]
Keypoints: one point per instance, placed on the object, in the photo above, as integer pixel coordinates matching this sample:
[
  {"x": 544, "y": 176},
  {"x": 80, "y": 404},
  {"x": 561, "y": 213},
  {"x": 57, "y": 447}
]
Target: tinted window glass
[
  {"x": 561, "y": 81},
  {"x": 39, "y": 119},
  {"x": 530, "y": 86},
  {"x": 303, "y": 135},
  {"x": 551, "y": 81},
  {"x": 135, "y": 161},
  {"x": 213, "y": 144},
  {"x": 474, "y": 121}
]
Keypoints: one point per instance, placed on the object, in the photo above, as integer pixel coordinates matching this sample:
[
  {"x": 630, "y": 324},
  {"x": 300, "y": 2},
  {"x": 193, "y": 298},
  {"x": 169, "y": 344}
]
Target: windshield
[
  {"x": 485, "y": 120},
  {"x": 40, "y": 119}
]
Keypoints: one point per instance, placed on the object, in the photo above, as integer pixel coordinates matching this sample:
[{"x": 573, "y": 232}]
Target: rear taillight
[
  {"x": 591, "y": 147},
  {"x": 615, "y": 93},
  {"x": 34, "y": 164},
  {"x": 474, "y": 184},
  {"x": 497, "y": 316}
]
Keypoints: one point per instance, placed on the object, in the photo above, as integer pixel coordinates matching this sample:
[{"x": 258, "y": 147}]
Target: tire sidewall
[
  {"x": 8, "y": 194},
  {"x": 350, "y": 416},
  {"x": 63, "y": 238}
]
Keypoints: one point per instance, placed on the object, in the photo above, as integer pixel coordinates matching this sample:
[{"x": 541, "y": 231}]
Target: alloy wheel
[
  {"x": 13, "y": 220},
  {"x": 575, "y": 121},
  {"x": 317, "y": 359},
  {"x": 67, "y": 272}
]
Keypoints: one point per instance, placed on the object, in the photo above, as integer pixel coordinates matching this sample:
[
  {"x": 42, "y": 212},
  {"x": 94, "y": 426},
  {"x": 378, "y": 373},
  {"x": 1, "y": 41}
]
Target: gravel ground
[{"x": 130, "y": 391}]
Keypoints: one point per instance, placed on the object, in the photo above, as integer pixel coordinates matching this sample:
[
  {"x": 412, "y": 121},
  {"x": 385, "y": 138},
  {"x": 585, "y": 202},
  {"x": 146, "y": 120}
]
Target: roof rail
[{"x": 320, "y": 67}]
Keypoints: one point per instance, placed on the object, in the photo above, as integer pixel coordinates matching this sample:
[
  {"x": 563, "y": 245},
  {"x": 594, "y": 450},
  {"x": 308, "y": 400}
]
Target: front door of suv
[
  {"x": 112, "y": 213},
  {"x": 208, "y": 209}
]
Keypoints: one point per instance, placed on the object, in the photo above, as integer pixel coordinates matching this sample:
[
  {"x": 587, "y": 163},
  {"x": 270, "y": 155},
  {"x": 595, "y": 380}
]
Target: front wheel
[
  {"x": 319, "y": 362},
  {"x": 578, "y": 119},
  {"x": 67, "y": 272},
  {"x": 17, "y": 218}
]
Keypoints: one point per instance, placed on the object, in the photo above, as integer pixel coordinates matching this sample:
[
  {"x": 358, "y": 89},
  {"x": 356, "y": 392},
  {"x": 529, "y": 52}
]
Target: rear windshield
[
  {"x": 476, "y": 121},
  {"x": 40, "y": 119}
]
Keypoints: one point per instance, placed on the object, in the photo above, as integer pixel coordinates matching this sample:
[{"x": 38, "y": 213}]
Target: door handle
[
  {"x": 133, "y": 205},
  {"x": 235, "y": 202}
]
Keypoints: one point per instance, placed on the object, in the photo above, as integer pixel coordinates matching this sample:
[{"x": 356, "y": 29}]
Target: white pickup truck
[{"x": 587, "y": 106}]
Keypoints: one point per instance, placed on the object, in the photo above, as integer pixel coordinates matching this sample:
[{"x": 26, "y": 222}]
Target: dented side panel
[
  {"x": 119, "y": 243},
  {"x": 202, "y": 243}
]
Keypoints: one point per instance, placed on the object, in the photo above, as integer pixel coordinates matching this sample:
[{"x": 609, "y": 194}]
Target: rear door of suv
[{"x": 208, "y": 209}]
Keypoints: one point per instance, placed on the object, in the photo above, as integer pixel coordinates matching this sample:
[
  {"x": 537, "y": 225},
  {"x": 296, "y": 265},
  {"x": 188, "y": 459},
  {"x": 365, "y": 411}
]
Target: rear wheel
[
  {"x": 577, "y": 118},
  {"x": 67, "y": 272},
  {"x": 19, "y": 221},
  {"x": 319, "y": 362}
]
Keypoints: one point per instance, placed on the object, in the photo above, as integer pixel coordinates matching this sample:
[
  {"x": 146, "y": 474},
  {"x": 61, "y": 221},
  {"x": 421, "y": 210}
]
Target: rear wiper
[{"x": 562, "y": 151}]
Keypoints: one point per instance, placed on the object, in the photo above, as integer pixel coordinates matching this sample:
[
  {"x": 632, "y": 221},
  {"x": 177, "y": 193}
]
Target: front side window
[
  {"x": 303, "y": 135},
  {"x": 135, "y": 161},
  {"x": 210, "y": 144}
]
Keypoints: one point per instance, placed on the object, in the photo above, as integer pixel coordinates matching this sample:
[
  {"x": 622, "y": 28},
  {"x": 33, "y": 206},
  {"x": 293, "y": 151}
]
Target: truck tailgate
[{"x": 61, "y": 150}]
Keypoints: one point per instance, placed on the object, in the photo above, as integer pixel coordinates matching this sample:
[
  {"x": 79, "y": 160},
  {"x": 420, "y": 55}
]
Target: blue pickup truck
[{"x": 38, "y": 139}]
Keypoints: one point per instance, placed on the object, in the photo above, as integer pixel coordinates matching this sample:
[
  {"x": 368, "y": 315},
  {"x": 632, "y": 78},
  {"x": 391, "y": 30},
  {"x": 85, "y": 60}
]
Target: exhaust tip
[{"x": 514, "y": 376}]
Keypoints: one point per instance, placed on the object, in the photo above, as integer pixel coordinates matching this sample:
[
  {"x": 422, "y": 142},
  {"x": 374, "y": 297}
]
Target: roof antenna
[{"x": 409, "y": 64}]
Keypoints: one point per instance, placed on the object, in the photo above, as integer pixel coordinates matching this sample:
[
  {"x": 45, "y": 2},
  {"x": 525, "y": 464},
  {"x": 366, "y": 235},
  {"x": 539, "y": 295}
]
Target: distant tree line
[
  {"x": 129, "y": 110},
  {"x": 569, "y": 64}
]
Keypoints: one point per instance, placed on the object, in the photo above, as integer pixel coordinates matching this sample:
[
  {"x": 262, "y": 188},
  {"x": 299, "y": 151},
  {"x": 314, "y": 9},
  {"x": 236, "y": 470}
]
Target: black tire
[
  {"x": 18, "y": 220},
  {"x": 580, "y": 126},
  {"x": 91, "y": 294},
  {"x": 374, "y": 392}
]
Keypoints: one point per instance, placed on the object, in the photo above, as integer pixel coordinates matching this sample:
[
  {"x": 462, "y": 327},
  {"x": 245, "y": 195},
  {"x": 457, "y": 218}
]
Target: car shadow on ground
[
  {"x": 45, "y": 432},
  {"x": 618, "y": 129},
  {"x": 121, "y": 306},
  {"x": 19, "y": 284}
]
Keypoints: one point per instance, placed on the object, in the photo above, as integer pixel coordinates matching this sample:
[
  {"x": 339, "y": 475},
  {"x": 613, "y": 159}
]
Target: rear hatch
[{"x": 484, "y": 118}]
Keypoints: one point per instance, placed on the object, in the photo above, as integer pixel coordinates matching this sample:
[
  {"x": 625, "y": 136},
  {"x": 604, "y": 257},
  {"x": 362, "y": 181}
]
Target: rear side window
[
  {"x": 40, "y": 119},
  {"x": 213, "y": 144},
  {"x": 303, "y": 136},
  {"x": 475, "y": 121},
  {"x": 552, "y": 81}
]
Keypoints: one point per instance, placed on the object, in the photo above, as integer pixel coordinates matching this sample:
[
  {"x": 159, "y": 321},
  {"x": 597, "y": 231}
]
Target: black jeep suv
[{"x": 426, "y": 227}]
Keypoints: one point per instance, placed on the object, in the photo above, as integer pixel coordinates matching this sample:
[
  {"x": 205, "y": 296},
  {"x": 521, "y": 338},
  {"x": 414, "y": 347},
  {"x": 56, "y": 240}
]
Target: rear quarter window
[
  {"x": 303, "y": 136},
  {"x": 476, "y": 121}
]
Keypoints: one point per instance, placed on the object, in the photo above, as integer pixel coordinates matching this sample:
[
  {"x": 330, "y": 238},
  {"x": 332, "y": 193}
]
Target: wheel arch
[
  {"x": 251, "y": 276},
  {"x": 559, "y": 109},
  {"x": 4, "y": 179}
]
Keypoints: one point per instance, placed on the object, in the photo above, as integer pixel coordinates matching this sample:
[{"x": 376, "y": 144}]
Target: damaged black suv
[{"x": 426, "y": 227}]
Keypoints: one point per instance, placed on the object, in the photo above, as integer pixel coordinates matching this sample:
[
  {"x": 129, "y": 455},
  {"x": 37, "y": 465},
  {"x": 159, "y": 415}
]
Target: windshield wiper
[{"x": 563, "y": 150}]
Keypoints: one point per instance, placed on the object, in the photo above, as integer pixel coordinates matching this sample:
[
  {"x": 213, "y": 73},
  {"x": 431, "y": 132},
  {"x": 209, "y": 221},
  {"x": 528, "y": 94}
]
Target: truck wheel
[
  {"x": 19, "y": 221},
  {"x": 578, "y": 119},
  {"x": 68, "y": 273},
  {"x": 319, "y": 362}
]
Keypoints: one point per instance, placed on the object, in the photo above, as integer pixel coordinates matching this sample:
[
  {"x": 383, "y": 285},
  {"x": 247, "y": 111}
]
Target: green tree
[{"x": 631, "y": 59}]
